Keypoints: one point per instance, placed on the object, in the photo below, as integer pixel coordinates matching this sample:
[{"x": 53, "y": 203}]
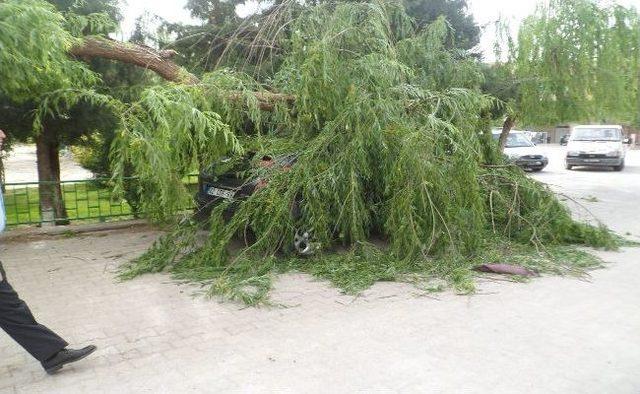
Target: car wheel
[
  {"x": 568, "y": 167},
  {"x": 536, "y": 169},
  {"x": 302, "y": 243}
]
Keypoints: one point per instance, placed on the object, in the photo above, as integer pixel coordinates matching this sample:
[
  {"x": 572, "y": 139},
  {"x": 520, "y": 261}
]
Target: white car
[
  {"x": 596, "y": 146},
  {"x": 522, "y": 151}
]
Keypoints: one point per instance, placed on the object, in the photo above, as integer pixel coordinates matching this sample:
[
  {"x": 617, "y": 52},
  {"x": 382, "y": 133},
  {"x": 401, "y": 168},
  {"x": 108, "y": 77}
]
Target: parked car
[
  {"x": 522, "y": 151},
  {"x": 596, "y": 146},
  {"x": 235, "y": 179},
  {"x": 564, "y": 139},
  {"x": 539, "y": 137}
]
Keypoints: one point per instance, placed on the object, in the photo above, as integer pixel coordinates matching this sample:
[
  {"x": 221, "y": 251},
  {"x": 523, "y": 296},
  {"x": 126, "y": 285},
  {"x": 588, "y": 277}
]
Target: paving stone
[{"x": 552, "y": 335}]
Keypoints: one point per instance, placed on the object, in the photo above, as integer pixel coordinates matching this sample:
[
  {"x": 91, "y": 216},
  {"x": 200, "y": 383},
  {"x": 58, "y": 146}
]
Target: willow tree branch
[
  {"x": 159, "y": 61},
  {"x": 266, "y": 100}
]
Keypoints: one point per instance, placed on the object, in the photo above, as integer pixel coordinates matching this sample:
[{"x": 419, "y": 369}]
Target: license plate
[
  {"x": 214, "y": 191},
  {"x": 591, "y": 160}
]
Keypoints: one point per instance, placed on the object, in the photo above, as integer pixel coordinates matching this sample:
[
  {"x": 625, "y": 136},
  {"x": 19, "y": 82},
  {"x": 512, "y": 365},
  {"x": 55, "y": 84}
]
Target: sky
[{"x": 484, "y": 11}]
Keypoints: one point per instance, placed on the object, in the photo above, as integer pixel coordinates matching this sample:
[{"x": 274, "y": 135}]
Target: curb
[{"x": 52, "y": 231}]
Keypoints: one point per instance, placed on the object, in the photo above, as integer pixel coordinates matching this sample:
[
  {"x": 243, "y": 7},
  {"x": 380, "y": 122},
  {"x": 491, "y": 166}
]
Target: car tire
[
  {"x": 568, "y": 167},
  {"x": 536, "y": 169},
  {"x": 302, "y": 243}
]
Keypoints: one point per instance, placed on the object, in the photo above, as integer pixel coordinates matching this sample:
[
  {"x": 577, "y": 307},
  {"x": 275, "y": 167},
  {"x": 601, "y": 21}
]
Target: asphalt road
[{"x": 609, "y": 195}]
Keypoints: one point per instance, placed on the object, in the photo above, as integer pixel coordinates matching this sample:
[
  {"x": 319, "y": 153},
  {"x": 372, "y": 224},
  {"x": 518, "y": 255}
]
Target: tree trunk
[
  {"x": 52, "y": 209},
  {"x": 508, "y": 124}
]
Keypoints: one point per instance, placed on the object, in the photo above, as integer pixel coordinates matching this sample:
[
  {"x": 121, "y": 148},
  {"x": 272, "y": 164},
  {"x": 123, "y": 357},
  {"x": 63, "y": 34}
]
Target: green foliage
[
  {"x": 16, "y": 120},
  {"x": 89, "y": 7},
  {"x": 364, "y": 156},
  {"x": 389, "y": 125},
  {"x": 82, "y": 25},
  {"x": 575, "y": 61},
  {"x": 33, "y": 52},
  {"x": 523, "y": 209},
  {"x": 164, "y": 136},
  {"x": 248, "y": 279},
  {"x": 360, "y": 267},
  {"x": 215, "y": 12},
  {"x": 386, "y": 126},
  {"x": 57, "y": 103}
]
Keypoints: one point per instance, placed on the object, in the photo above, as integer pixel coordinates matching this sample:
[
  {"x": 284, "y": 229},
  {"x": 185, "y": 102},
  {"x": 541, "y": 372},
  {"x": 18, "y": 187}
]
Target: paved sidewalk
[{"x": 552, "y": 335}]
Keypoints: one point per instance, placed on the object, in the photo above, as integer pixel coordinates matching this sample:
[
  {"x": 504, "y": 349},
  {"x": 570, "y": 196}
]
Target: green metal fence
[{"x": 84, "y": 200}]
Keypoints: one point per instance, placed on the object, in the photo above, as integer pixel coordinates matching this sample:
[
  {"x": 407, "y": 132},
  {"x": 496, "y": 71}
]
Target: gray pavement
[
  {"x": 552, "y": 335},
  {"x": 609, "y": 195}
]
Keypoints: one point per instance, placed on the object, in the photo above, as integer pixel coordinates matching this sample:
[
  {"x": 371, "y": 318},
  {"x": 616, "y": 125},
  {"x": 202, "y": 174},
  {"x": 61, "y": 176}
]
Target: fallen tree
[
  {"x": 387, "y": 133},
  {"x": 387, "y": 123}
]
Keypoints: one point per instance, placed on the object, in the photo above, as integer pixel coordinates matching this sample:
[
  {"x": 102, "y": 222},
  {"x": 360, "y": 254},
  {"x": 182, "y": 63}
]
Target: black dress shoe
[{"x": 66, "y": 356}]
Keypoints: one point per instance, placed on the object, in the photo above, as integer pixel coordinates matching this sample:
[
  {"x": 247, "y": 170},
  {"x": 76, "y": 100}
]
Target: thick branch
[
  {"x": 160, "y": 62},
  {"x": 142, "y": 56}
]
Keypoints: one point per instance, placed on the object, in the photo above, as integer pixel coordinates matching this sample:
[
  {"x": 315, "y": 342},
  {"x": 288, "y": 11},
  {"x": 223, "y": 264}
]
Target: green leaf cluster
[{"x": 34, "y": 45}]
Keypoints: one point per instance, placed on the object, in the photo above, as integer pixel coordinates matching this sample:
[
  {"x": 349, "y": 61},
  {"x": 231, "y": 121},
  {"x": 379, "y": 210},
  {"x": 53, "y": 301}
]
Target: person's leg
[{"x": 17, "y": 320}]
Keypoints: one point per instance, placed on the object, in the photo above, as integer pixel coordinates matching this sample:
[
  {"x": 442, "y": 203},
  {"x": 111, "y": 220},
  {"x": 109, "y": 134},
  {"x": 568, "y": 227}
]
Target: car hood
[
  {"x": 593, "y": 146},
  {"x": 514, "y": 153}
]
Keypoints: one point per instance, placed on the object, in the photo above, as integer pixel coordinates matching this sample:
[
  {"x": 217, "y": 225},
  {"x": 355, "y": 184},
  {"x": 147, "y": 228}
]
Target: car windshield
[
  {"x": 596, "y": 134},
  {"x": 516, "y": 140}
]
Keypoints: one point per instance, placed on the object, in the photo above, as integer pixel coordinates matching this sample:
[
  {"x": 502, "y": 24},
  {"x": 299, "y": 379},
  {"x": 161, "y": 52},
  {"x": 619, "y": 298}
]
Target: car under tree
[{"x": 234, "y": 180}]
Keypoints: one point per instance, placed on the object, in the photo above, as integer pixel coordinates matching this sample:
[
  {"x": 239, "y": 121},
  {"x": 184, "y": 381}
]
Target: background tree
[
  {"x": 576, "y": 61},
  {"x": 224, "y": 39},
  {"x": 25, "y": 90},
  {"x": 40, "y": 67},
  {"x": 500, "y": 82},
  {"x": 466, "y": 31},
  {"x": 92, "y": 129}
]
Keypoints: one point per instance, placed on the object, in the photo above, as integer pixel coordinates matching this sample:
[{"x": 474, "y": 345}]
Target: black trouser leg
[{"x": 17, "y": 321}]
